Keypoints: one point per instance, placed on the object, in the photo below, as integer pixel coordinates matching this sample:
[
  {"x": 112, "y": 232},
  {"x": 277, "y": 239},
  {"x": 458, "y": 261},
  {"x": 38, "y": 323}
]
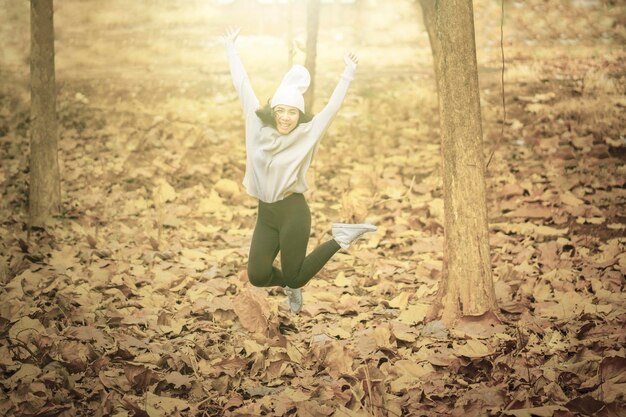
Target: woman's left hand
[{"x": 351, "y": 60}]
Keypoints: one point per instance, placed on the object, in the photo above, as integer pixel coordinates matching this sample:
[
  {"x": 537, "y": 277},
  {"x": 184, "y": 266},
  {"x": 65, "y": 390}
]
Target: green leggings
[{"x": 285, "y": 226}]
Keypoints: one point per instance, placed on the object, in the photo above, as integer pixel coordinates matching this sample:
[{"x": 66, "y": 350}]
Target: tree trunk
[
  {"x": 312, "y": 27},
  {"x": 428, "y": 15},
  {"x": 290, "y": 41},
  {"x": 467, "y": 284},
  {"x": 44, "y": 190}
]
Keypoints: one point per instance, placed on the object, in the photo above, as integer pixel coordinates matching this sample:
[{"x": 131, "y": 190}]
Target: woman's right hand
[{"x": 230, "y": 35}]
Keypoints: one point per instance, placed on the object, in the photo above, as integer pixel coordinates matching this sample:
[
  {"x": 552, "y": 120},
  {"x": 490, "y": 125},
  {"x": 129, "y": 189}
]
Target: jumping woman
[{"x": 281, "y": 141}]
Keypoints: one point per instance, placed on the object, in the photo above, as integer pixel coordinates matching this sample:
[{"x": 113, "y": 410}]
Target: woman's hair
[{"x": 266, "y": 114}]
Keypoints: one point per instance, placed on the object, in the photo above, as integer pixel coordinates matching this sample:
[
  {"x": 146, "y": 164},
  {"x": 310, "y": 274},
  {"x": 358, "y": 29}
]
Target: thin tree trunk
[
  {"x": 312, "y": 28},
  {"x": 428, "y": 15},
  {"x": 467, "y": 284},
  {"x": 44, "y": 191},
  {"x": 290, "y": 47}
]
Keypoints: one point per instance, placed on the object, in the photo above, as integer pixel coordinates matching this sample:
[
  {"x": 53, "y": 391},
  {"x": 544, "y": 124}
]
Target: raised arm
[
  {"x": 248, "y": 99},
  {"x": 326, "y": 115}
]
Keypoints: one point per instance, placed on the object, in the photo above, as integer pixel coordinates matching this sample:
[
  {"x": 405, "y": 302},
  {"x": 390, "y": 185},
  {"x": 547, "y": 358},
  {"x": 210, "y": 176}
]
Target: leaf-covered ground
[{"x": 135, "y": 301}]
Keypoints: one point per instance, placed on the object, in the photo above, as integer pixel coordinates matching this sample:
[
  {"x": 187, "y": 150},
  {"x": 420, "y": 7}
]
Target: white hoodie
[{"x": 276, "y": 165}]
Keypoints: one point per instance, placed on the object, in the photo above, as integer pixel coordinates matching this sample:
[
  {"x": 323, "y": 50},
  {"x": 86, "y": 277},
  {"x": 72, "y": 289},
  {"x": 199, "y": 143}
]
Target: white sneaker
[
  {"x": 345, "y": 233},
  {"x": 294, "y": 297}
]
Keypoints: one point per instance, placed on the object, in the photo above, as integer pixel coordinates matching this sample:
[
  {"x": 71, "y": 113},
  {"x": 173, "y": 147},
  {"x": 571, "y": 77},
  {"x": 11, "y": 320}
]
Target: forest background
[{"x": 135, "y": 300}]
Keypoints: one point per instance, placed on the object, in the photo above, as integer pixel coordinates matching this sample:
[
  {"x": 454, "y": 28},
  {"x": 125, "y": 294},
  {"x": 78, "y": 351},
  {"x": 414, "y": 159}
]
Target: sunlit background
[{"x": 177, "y": 41}]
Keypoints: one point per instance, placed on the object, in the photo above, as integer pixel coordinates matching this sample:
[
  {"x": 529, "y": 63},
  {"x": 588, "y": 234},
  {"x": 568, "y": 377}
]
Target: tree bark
[
  {"x": 467, "y": 284},
  {"x": 312, "y": 28},
  {"x": 44, "y": 189}
]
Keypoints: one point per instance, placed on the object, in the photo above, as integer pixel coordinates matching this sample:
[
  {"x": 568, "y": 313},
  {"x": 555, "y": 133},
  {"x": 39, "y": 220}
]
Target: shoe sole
[{"x": 368, "y": 227}]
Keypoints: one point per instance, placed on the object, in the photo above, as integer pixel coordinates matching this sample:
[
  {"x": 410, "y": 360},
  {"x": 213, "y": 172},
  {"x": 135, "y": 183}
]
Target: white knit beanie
[{"x": 292, "y": 87}]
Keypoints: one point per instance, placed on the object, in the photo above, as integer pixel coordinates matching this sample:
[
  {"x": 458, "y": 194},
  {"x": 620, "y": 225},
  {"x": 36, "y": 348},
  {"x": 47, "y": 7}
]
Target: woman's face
[{"x": 286, "y": 118}]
